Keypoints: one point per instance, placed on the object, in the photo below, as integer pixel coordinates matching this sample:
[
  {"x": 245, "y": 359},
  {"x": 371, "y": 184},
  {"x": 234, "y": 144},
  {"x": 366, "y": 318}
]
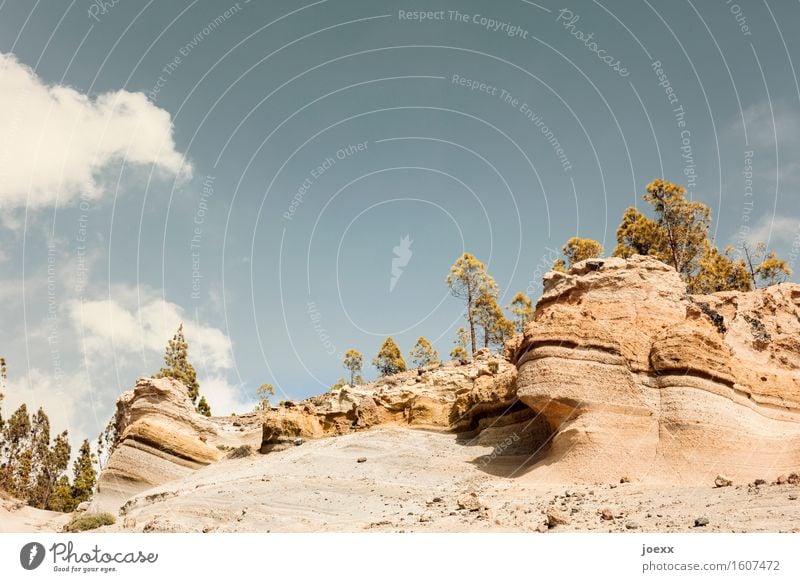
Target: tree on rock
[
  {"x": 177, "y": 365},
  {"x": 576, "y": 250},
  {"x": 522, "y": 308},
  {"x": 264, "y": 392},
  {"x": 719, "y": 272},
  {"x": 678, "y": 234},
  {"x": 469, "y": 280},
  {"x": 84, "y": 474},
  {"x": 765, "y": 268},
  {"x": 491, "y": 319},
  {"x": 424, "y": 354},
  {"x": 389, "y": 359},
  {"x": 354, "y": 362},
  {"x": 203, "y": 407},
  {"x": 459, "y": 352}
]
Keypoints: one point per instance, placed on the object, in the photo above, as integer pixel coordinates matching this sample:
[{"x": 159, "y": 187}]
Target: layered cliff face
[
  {"x": 161, "y": 437},
  {"x": 636, "y": 378}
]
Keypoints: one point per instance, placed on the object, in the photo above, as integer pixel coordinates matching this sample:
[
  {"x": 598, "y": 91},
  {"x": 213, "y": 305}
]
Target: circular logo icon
[{"x": 31, "y": 555}]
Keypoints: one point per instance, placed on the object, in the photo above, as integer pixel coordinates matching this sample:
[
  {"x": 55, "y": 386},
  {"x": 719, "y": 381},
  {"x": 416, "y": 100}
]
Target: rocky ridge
[{"x": 635, "y": 375}]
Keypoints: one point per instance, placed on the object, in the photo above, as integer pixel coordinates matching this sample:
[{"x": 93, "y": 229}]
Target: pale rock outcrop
[
  {"x": 160, "y": 437},
  {"x": 636, "y": 377}
]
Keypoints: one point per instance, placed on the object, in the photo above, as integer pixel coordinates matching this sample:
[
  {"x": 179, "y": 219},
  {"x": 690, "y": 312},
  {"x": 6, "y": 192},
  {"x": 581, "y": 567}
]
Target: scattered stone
[
  {"x": 470, "y": 502},
  {"x": 542, "y": 528},
  {"x": 424, "y": 518},
  {"x": 701, "y": 522},
  {"x": 632, "y": 525},
  {"x": 84, "y": 506},
  {"x": 722, "y": 481},
  {"x": 793, "y": 479},
  {"x": 361, "y": 460},
  {"x": 758, "y": 482},
  {"x": 782, "y": 480},
  {"x": 606, "y": 514},
  {"x": 625, "y": 479},
  {"x": 556, "y": 517},
  {"x": 792, "y": 497}
]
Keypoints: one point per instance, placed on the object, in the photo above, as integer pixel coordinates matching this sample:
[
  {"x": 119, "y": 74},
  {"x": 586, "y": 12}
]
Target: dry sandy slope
[
  {"x": 413, "y": 480},
  {"x": 16, "y": 517}
]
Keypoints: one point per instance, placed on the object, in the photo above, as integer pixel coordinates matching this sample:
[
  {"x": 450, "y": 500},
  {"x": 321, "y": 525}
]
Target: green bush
[
  {"x": 240, "y": 452},
  {"x": 87, "y": 521}
]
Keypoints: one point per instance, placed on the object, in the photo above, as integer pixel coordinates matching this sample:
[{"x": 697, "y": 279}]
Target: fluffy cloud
[
  {"x": 777, "y": 230},
  {"x": 224, "y": 397},
  {"x": 146, "y": 328},
  {"x": 55, "y": 140}
]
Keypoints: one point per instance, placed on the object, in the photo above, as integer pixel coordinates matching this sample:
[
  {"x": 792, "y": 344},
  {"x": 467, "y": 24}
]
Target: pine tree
[
  {"x": 84, "y": 475},
  {"x": 389, "y": 359},
  {"x": 203, "y": 407},
  {"x": 264, "y": 392},
  {"x": 459, "y": 352},
  {"x": 765, "y": 268},
  {"x": 423, "y": 354},
  {"x": 16, "y": 436},
  {"x": 3, "y": 376},
  {"x": 678, "y": 234},
  {"x": 469, "y": 280},
  {"x": 340, "y": 383},
  {"x": 62, "y": 497},
  {"x": 719, "y": 272},
  {"x": 354, "y": 362},
  {"x": 490, "y": 318},
  {"x": 576, "y": 250},
  {"x": 522, "y": 308},
  {"x": 177, "y": 365},
  {"x": 54, "y": 464}
]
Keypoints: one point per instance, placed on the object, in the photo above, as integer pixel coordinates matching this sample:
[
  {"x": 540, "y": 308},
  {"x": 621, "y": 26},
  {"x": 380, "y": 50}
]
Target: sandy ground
[
  {"x": 414, "y": 480},
  {"x": 16, "y": 517}
]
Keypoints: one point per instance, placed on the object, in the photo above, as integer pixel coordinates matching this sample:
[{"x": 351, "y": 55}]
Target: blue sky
[{"x": 248, "y": 168}]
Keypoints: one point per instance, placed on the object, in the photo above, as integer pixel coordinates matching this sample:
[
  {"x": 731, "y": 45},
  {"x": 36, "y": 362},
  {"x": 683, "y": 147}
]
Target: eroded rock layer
[
  {"x": 163, "y": 438},
  {"x": 639, "y": 379}
]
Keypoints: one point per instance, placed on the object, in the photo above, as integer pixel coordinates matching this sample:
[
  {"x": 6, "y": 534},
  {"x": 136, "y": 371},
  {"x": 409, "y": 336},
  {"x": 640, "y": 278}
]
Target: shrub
[
  {"x": 87, "y": 521},
  {"x": 493, "y": 367},
  {"x": 241, "y": 452}
]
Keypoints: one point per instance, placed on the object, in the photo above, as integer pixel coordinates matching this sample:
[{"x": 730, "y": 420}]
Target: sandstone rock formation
[
  {"x": 161, "y": 437},
  {"x": 635, "y": 377}
]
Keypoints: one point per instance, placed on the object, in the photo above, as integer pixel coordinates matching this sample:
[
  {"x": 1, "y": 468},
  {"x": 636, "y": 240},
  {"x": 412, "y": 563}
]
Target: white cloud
[
  {"x": 777, "y": 230},
  {"x": 224, "y": 397},
  {"x": 129, "y": 329},
  {"x": 54, "y": 139},
  {"x": 68, "y": 399}
]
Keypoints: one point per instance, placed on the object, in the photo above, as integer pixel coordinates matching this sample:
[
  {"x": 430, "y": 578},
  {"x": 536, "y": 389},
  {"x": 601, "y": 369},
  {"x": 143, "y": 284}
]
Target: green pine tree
[
  {"x": 16, "y": 436},
  {"x": 177, "y": 365},
  {"x": 203, "y": 407},
  {"x": 424, "y": 354},
  {"x": 84, "y": 474},
  {"x": 389, "y": 359},
  {"x": 62, "y": 497},
  {"x": 354, "y": 362}
]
